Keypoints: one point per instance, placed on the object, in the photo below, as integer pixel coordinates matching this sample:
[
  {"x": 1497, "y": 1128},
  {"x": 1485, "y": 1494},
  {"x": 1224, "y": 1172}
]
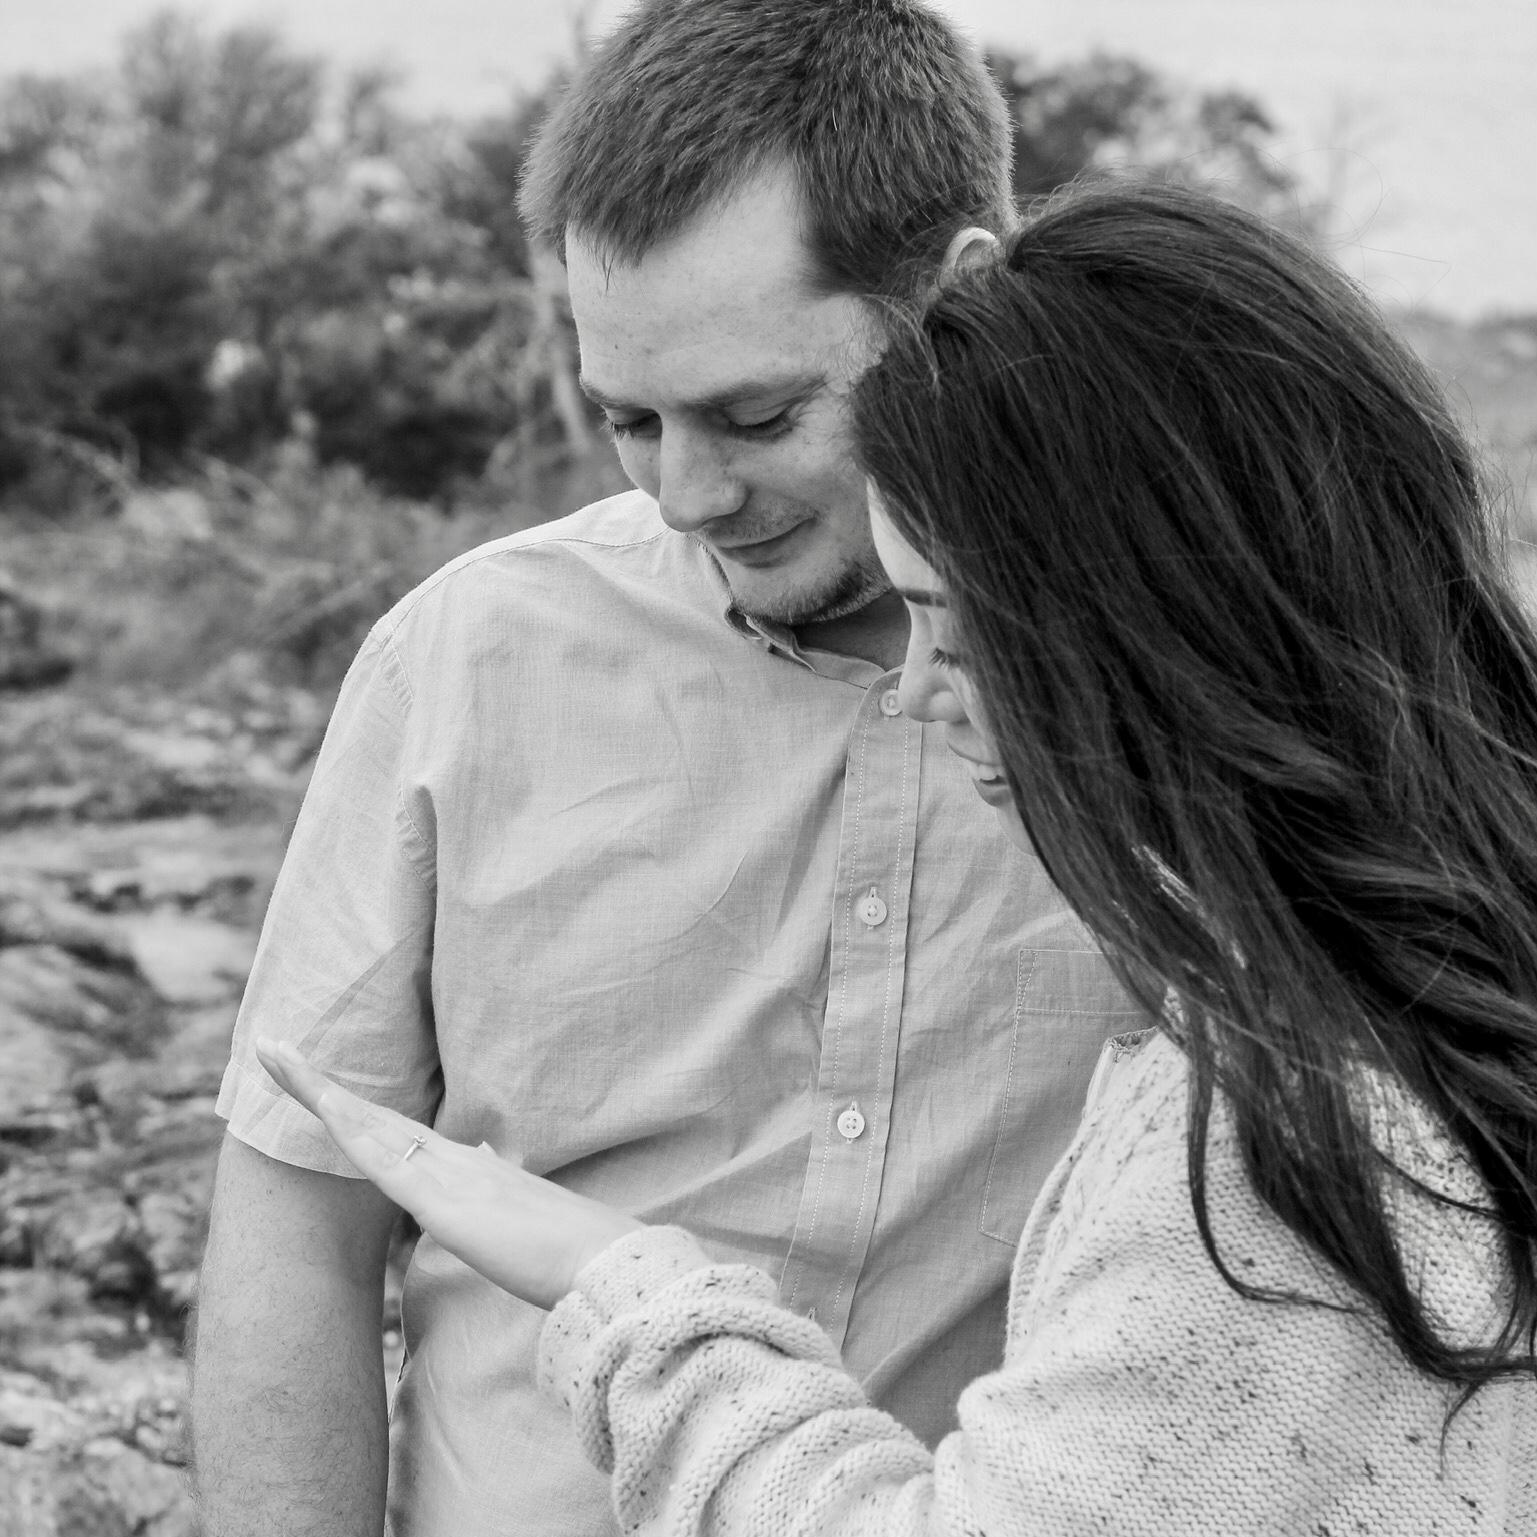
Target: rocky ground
[
  {"x": 166, "y": 670},
  {"x": 138, "y": 841}
]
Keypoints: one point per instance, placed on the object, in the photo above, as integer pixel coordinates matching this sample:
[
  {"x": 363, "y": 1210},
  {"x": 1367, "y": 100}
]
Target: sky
[{"x": 1424, "y": 112}]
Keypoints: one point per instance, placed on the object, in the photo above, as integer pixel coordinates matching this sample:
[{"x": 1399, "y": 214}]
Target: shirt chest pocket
[{"x": 1066, "y": 1005}]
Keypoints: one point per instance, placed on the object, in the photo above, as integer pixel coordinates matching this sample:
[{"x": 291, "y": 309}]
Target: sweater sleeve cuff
[
  {"x": 623, "y": 1276},
  {"x": 637, "y": 1266}
]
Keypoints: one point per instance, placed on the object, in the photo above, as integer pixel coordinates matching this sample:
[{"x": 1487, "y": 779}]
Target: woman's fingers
[
  {"x": 296, "y": 1076},
  {"x": 380, "y": 1143},
  {"x": 525, "y": 1233}
]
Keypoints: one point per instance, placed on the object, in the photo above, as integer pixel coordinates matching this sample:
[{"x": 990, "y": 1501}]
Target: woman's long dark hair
[{"x": 1229, "y": 592}]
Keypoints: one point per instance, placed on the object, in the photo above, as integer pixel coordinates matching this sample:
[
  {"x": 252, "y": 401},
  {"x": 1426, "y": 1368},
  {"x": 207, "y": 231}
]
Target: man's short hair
[{"x": 893, "y": 127}]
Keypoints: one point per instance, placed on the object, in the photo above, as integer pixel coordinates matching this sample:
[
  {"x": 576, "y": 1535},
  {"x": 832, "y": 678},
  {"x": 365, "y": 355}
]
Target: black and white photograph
[{"x": 768, "y": 768}]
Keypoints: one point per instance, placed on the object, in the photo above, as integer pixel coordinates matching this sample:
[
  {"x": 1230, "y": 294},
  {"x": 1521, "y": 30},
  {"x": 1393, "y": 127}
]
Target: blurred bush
[
  {"x": 1108, "y": 111},
  {"x": 219, "y": 248},
  {"x": 214, "y": 250}
]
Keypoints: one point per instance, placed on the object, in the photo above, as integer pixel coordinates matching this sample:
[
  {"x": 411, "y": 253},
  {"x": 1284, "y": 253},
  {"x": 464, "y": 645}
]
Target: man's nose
[{"x": 697, "y": 483}]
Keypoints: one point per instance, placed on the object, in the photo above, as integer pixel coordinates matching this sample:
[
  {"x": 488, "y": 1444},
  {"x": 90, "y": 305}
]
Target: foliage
[
  {"x": 220, "y": 249},
  {"x": 1107, "y": 111},
  {"x": 213, "y": 251}
]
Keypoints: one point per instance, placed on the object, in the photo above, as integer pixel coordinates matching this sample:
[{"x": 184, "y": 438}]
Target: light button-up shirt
[{"x": 585, "y": 872}]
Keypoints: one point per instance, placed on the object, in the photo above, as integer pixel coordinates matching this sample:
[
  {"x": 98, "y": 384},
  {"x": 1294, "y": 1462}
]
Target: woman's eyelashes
[{"x": 946, "y": 659}]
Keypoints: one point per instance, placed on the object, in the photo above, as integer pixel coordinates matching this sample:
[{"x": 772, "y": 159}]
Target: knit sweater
[{"x": 1139, "y": 1393}]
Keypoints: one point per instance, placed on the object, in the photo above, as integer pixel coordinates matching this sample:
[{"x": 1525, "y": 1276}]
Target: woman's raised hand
[{"x": 525, "y": 1233}]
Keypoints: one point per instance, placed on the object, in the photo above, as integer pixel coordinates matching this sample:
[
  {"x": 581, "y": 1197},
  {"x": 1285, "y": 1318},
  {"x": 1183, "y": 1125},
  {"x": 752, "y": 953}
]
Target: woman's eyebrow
[{"x": 596, "y": 396}]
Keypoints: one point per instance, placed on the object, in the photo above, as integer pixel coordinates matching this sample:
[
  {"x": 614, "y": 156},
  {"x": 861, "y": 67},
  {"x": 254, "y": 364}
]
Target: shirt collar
[{"x": 779, "y": 639}]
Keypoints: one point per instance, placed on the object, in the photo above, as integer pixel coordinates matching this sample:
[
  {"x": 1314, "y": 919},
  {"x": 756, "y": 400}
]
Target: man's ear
[{"x": 970, "y": 248}]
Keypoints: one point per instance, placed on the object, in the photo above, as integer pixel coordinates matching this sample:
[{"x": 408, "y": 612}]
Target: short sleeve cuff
[{"x": 263, "y": 1117}]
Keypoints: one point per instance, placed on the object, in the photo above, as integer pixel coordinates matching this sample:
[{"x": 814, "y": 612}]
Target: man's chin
[{"x": 793, "y": 604}]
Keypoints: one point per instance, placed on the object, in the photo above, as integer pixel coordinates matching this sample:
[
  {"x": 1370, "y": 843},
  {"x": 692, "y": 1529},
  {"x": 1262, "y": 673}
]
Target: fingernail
[{"x": 282, "y": 1050}]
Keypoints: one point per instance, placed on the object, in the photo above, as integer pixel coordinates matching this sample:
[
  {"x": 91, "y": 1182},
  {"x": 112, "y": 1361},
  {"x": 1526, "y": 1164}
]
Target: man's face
[{"x": 725, "y": 379}]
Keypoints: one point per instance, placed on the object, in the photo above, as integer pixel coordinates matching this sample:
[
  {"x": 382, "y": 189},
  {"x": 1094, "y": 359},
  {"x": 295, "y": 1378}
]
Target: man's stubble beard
[{"x": 844, "y": 593}]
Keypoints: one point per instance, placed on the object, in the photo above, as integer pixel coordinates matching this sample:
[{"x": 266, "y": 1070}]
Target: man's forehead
[
  {"x": 758, "y": 221},
  {"x": 708, "y": 323},
  {"x": 738, "y": 275}
]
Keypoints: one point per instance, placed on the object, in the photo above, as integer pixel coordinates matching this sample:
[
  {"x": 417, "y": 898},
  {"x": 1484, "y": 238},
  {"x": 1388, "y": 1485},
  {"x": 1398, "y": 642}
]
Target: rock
[
  {"x": 135, "y": 1244},
  {"x": 97, "y": 1235},
  {"x": 189, "y": 959},
  {"x": 139, "y": 837},
  {"x": 31, "y": 1416},
  {"x": 191, "y": 863},
  {"x": 34, "y": 912},
  {"x": 50, "y": 1325},
  {"x": 104, "y": 1452},
  {"x": 68, "y": 758},
  {"x": 104, "y": 1490},
  {"x": 175, "y": 1228},
  {"x": 37, "y": 1068},
  {"x": 60, "y": 1014},
  {"x": 91, "y": 1005},
  {"x": 27, "y": 659},
  {"x": 72, "y": 995}
]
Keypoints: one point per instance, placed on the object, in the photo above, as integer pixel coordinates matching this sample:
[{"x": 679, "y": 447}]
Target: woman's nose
[{"x": 927, "y": 692}]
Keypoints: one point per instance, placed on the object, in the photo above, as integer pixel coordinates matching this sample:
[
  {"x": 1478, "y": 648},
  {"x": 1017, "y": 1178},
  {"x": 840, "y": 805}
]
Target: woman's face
[{"x": 934, "y": 682}]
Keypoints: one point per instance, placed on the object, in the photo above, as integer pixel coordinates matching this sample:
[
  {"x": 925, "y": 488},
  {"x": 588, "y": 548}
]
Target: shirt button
[
  {"x": 890, "y": 703},
  {"x": 872, "y": 911},
  {"x": 851, "y": 1122}
]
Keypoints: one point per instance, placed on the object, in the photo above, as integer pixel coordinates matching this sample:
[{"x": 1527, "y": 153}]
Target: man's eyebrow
[
  {"x": 788, "y": 386},
  {"x": 922, "y": 597}
]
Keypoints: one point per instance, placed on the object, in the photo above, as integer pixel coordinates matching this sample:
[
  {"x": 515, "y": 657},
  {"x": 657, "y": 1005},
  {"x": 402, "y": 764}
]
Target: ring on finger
[{"x": 417, "y": 1143}]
